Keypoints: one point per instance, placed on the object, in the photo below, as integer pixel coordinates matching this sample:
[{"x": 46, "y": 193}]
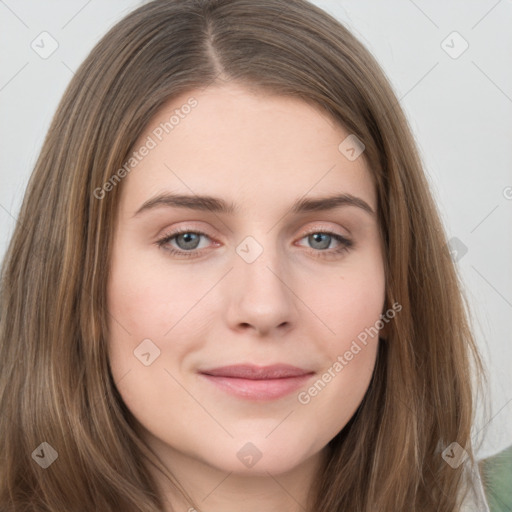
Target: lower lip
[{"x": 265, "y": 389}]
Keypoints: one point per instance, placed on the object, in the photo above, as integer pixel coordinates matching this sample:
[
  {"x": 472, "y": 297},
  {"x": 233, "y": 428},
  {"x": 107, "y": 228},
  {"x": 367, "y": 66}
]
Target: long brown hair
[{"x": 55, "y": 383}]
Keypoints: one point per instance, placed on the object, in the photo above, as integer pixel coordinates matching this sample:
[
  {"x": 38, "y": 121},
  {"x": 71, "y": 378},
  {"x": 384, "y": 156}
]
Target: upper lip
[{"x": 249, "y": 371}]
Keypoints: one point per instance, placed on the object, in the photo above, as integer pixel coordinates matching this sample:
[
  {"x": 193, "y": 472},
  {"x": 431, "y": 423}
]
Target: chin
[{"x": 263, "y": 456}]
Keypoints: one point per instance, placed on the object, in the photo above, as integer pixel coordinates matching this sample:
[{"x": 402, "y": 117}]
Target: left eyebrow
[
  {"x": 218, "y": 205},
  {"x": 330, "y": 203}
]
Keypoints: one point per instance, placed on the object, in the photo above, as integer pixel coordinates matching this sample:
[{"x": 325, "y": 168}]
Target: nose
[{"x": 259, "y": 295}]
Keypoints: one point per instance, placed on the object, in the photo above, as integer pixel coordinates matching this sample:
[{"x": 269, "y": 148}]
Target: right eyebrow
[{"x": 204, "y": 203}]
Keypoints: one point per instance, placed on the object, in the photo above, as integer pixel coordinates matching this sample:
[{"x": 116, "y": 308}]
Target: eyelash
[{"x": 345, "y": 246}]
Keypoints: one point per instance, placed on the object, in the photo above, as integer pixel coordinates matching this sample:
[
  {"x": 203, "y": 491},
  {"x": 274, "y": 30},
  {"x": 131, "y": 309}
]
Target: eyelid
[
  {"x": 322, "y": 229},
  {"x": 169, "y": 232},
  {"x": 200, "y": 231},
  {"x": 172, "y": 233}
]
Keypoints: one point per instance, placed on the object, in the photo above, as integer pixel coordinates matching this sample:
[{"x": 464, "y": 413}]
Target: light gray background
[{"x": 460, "y": 110}]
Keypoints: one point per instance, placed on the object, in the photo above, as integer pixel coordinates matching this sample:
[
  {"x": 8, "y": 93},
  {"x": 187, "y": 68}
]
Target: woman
[{"x": 229, "y": 285}]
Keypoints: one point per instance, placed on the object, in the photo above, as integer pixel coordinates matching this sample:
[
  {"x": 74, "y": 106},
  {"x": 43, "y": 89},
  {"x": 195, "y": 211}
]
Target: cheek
[
  {"x": 349, "y": 353},
  {"x": 336, "y": 394},
  {"x": 350, "y": 306},
  {"x": 138, "y": 306},
  {"x": 147, "y": 301},
  {"x": 147, "y": 298},
  {"x": 143, "y": 306},
  {"x": 348, "y": 303}
]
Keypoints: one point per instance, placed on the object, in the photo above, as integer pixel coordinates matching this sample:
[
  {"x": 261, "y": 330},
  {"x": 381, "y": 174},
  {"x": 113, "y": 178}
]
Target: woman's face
[{"x": 251, "y": 282}]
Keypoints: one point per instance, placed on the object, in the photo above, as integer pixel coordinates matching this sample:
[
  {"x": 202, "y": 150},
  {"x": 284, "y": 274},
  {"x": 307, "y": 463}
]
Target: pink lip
[{"x": 257, "y": 382}]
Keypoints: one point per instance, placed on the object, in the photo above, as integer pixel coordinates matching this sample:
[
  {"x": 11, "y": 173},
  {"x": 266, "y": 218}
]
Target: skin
[{"x": 291, "y": 305}]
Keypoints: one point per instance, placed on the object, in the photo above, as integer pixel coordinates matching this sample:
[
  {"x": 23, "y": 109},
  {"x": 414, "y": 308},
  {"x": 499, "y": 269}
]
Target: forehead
[{"x": 249, "y": 147}]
